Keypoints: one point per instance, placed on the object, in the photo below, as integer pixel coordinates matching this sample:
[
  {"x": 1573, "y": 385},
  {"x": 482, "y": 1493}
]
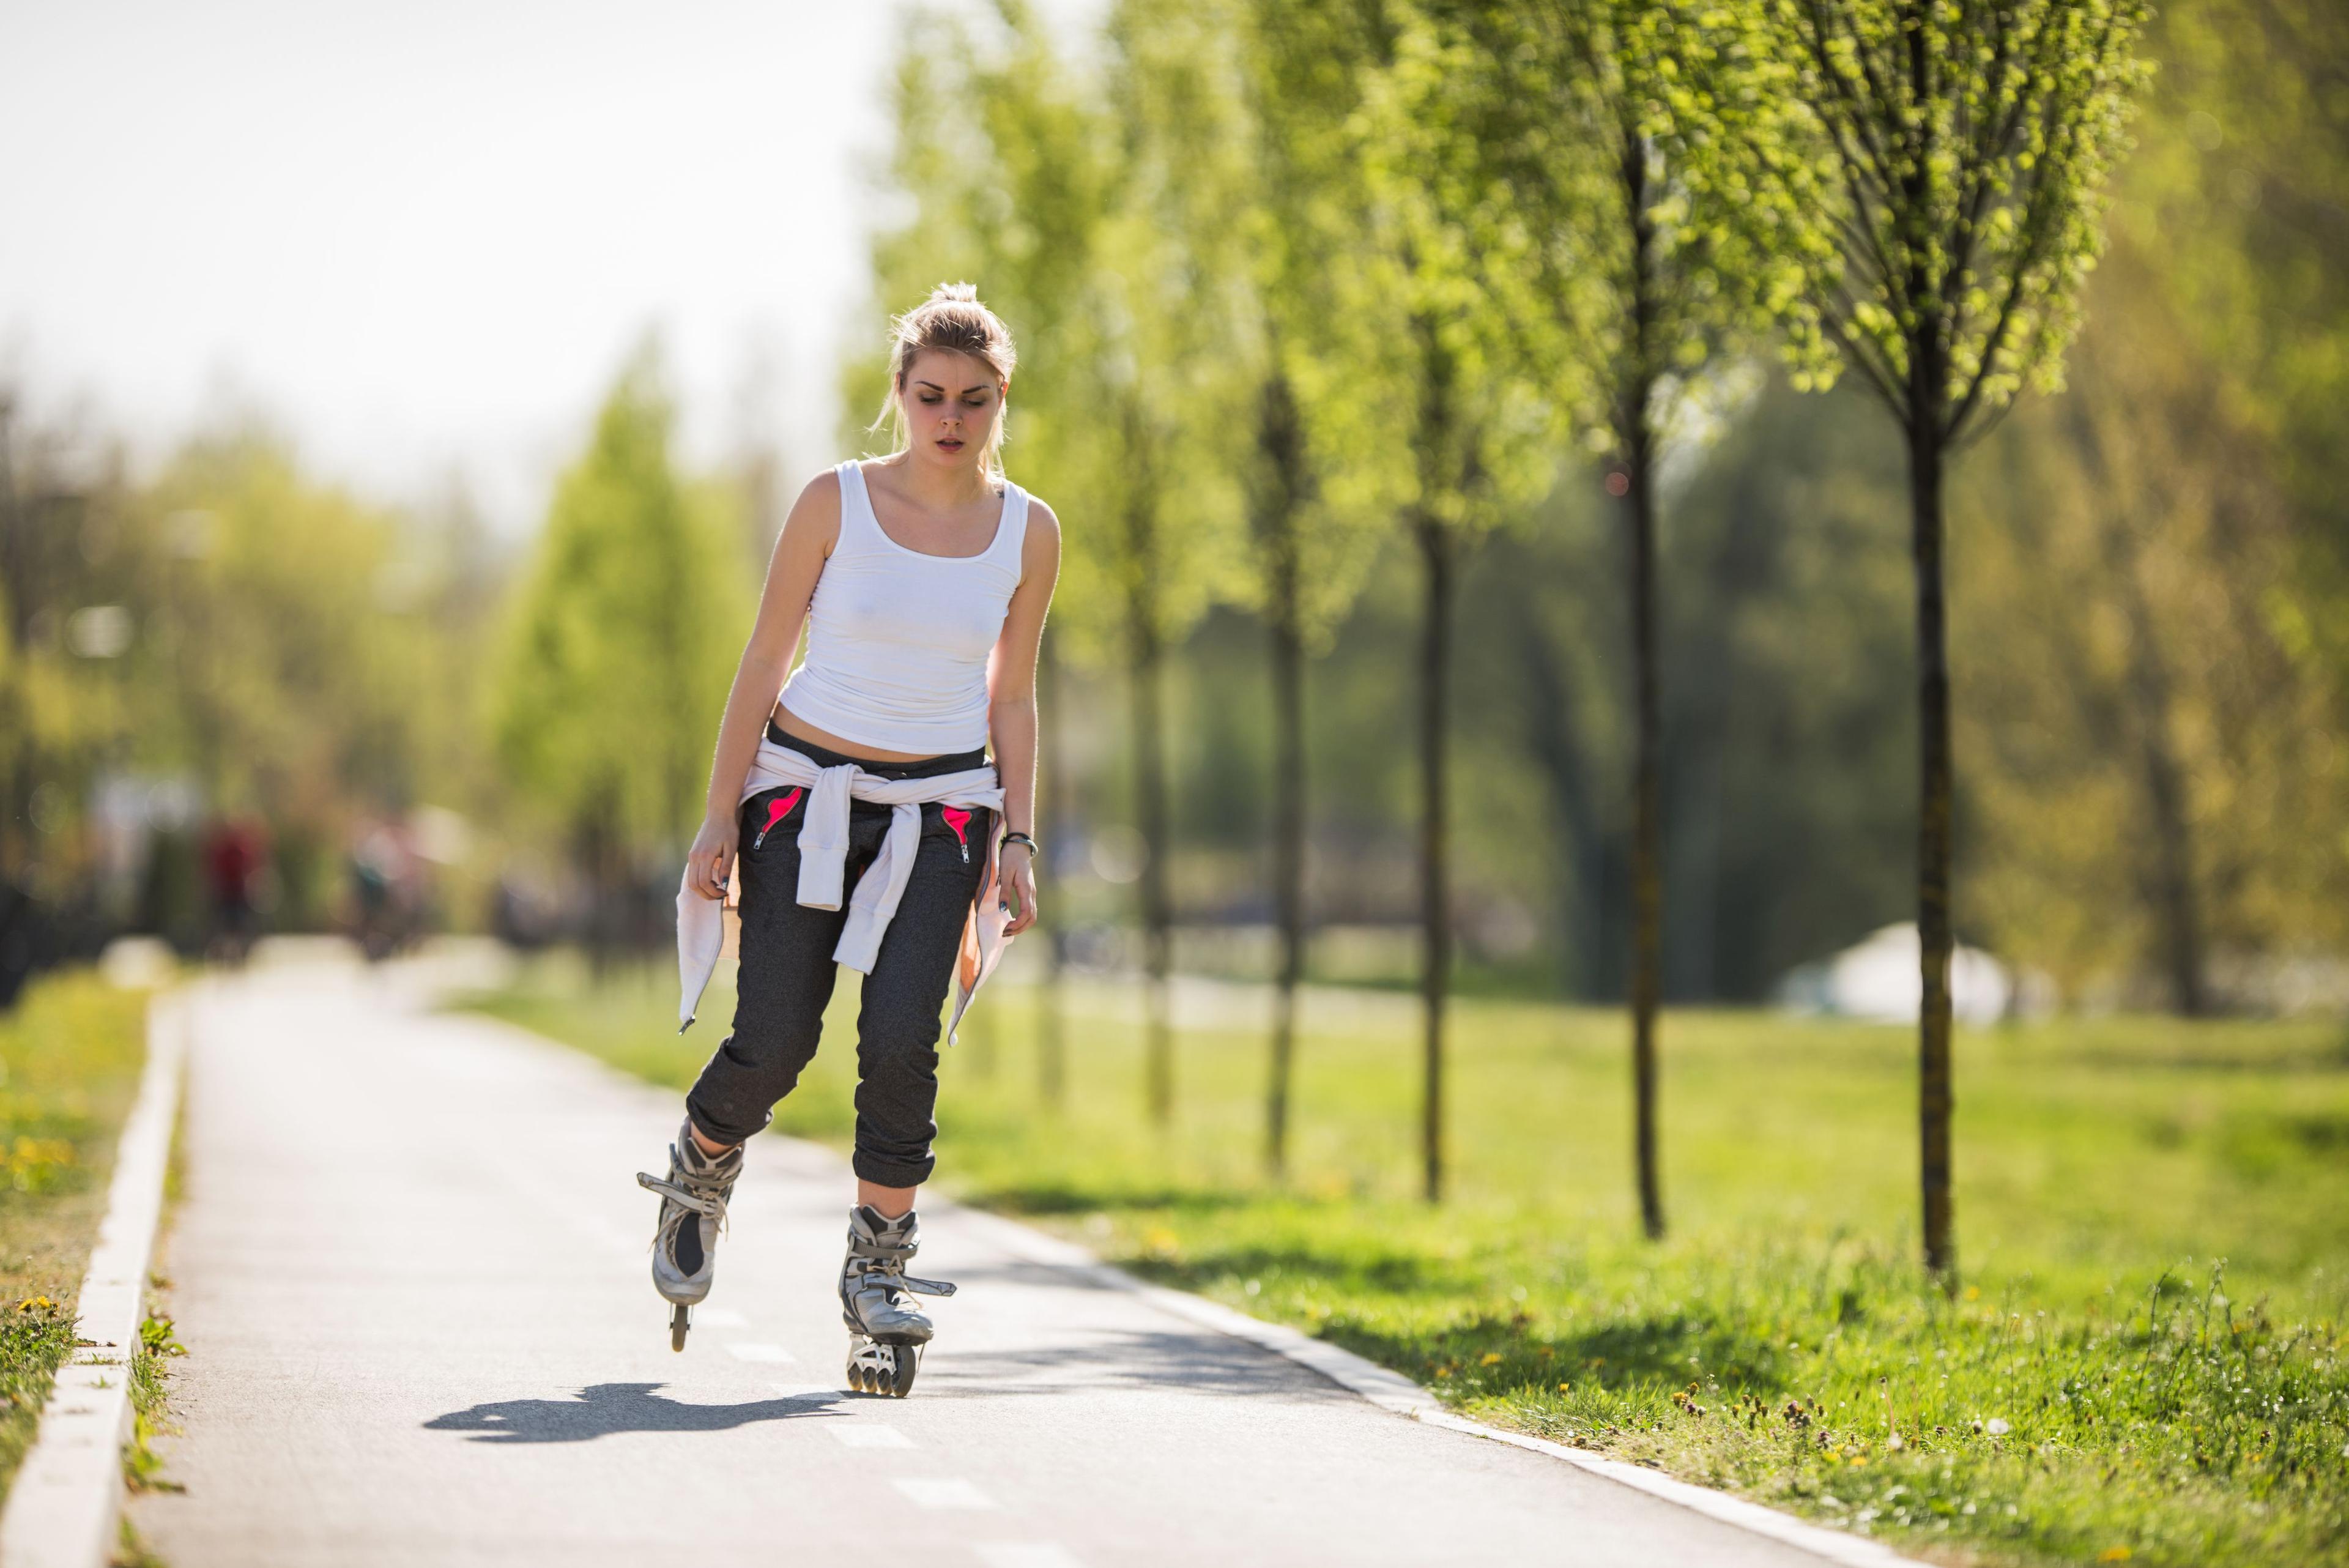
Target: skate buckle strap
[
  {"x": 887, "y": 1271},
  {"x": 712, "y": 1204}
]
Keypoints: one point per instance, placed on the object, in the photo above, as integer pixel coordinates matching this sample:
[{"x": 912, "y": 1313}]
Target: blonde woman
[{"x": 862, "y": 812}]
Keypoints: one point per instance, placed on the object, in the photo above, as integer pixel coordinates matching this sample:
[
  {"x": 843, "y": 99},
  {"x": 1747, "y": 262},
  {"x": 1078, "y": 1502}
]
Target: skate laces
[
  {"x": 703, "y": 1195},
  {"x": 879, "y": 1266}
]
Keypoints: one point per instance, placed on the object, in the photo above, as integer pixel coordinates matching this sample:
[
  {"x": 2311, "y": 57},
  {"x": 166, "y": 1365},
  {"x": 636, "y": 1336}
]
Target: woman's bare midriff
[{"x": 791, "y": 723}]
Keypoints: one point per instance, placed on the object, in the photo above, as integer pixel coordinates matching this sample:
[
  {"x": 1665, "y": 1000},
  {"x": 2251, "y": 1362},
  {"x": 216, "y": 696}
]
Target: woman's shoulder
[
  {"x": 816, "y": 511},
  {"x": 1039, "y": 551},
  {"x": 824, "y": 486},
  {"x": 1041, "y": 518}
]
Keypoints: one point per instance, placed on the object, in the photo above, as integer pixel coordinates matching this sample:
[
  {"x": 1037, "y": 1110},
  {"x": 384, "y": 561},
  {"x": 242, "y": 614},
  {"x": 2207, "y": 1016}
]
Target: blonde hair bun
[{"x": 962, "y": 292}]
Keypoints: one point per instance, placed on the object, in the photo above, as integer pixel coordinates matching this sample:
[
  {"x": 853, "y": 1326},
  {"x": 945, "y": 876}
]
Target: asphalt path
[{"x": 411, "y": 1265}]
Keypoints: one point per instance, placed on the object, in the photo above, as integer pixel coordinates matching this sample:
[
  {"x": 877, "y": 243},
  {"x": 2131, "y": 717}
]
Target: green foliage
[
  {"x": 286, "y": 668},
  {"x": 1046, "y": 209},
  {"x": 1640, "y": 281},
  {"x": 1447, "y": 410},
  {"x": 1928, "y": 176},
  {"x": 2153, "y": 762},
  {"x": 281, "y": 645},
  {"x": 623, "y": 639},
  {"x": 2238, "y": 189},
  {"x": 1287, "y": 209}
]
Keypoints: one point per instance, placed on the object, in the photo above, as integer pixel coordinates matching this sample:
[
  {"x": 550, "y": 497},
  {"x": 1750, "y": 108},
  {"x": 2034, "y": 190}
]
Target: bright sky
[{"x": 425, "y": 233}]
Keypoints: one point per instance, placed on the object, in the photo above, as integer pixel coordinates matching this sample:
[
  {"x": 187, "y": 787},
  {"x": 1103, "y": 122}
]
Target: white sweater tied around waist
[{"x": 823, "y": 855}]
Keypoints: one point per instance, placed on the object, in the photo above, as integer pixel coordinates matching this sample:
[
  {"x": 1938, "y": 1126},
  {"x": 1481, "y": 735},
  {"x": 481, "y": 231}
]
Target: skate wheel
[
  {"x": 680, "y": 1318},
  {"x": 876, "y": 1366}
]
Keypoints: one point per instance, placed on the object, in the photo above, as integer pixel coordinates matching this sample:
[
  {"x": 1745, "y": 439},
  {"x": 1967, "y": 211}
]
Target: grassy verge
[
  {"x": 2144, "y": 1365},
  {"x": 70, "y": 1055}
]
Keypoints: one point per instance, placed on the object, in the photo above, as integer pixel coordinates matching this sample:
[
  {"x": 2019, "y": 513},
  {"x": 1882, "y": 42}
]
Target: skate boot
[
  {"x": 692, "y": 1213},
  {"x": 887, "y": 1330}
]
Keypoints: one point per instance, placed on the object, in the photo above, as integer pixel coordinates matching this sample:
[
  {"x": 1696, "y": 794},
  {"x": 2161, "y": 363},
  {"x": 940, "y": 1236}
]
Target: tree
[
  {"x": 1639, "y": 277},
  {"x": 1255, "y": 117},
  {"x": 620, "y": 647},
  {"x": 1434, "y": 292},
  {"x": 1928, "y": 177}
]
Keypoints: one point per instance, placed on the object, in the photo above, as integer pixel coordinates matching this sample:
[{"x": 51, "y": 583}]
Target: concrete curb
[
  {"x": 1392, "y": 1391},
  {"x": 62, "y": 1510}
]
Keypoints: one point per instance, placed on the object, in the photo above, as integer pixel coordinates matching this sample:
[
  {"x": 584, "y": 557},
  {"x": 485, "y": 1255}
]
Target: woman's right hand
[{"x": 712, "y": 855}]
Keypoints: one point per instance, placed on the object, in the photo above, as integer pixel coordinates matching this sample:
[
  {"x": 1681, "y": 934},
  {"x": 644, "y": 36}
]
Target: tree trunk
[
  {"x": 1280, "y": 442},
  {"x": 1051, "y": 1043},
  {"x": 1435, "y": 551},
  {"x": 1647, "y": 825},
  {"x": 1935, "y": 940},
  {"x": 1287, "y": 862},
  {"x": 2170, "y": 882},
  {"x": 598, "y": 840},
  {"x": 2176, "y": 896},
  {"x": 1927, "y": 409},
  {"x": 1635, "y": 431},
  {"x": 1147, "y": 671}
]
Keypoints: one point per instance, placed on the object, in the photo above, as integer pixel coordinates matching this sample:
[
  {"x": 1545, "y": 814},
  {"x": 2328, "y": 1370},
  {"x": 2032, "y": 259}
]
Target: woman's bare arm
[
  {"x": 807, "y": 538},
  {"x": 1012, "y": 698}
]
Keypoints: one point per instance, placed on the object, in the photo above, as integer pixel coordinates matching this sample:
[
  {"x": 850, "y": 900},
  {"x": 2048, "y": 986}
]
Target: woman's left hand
[{"x": 1019, "y": 886}]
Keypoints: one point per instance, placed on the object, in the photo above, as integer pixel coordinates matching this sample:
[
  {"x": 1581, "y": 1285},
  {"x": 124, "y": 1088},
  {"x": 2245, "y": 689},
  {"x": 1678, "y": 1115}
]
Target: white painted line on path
[
  {"x": 61, "y": 1511},
  {"x": 874, "y": 1436},
  {"x": 763, "y": 1355},
  {"x": 1025, "y": 1554},
  {"x": 1390, "y": 1390},
  {"x": 952, "y": 1492}
]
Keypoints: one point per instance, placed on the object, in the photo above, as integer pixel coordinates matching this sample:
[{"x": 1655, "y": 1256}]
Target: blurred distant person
[
  {"x": 384, "y": 891},
  {"x": 866, "y": 817},
  {"x": 233, "y": 851}
]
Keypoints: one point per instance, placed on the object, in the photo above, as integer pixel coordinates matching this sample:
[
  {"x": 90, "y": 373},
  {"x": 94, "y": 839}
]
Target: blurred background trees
[
  {"x": 1330, "y": 353},
  {"x": 621, "y": 643}
]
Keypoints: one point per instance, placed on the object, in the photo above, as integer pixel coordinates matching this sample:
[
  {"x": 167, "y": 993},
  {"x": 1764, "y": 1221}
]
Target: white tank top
[{"x": 897, "y": 638}]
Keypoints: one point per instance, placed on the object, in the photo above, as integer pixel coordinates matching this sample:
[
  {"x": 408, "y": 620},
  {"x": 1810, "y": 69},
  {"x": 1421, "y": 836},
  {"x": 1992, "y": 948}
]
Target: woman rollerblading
[{"x": 876, "y": 810}]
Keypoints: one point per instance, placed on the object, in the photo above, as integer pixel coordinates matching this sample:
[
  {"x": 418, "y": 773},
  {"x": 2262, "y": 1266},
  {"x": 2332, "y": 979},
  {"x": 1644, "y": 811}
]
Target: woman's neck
[{"x": 943, "y": 489}]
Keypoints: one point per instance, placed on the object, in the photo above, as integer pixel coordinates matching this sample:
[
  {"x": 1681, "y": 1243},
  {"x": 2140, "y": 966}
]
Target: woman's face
[{"x": 952, "y": 402}]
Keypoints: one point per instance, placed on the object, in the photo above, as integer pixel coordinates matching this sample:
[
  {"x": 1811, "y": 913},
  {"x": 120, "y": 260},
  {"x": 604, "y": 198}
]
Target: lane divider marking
[
  {"x": 860, "y": 1435},
  {"x": 941, "y": 1492},
  {"x": 1024, "y": 1554}
]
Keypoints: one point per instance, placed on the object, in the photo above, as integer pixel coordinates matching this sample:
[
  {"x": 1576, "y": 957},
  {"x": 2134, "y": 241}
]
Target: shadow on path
[
  {"x": 605, "y": 1409},
  {"x": 1187, "y": 1361}
]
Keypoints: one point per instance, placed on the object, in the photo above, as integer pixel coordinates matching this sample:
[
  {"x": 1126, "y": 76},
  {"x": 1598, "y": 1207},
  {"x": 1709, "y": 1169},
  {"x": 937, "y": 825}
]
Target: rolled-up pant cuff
[
  {"x": 718, "y": 1128},
  {"x": 885, "y": 1172}
]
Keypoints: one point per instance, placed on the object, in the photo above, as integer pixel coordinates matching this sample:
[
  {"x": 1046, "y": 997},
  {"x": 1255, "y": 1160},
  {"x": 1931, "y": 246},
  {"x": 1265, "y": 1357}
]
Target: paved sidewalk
[{"x": 410, "y": 1267}]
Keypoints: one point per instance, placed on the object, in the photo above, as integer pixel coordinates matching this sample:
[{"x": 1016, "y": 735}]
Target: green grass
[
  {"x": 2145, "y": 1363},
  {"x": 70, "y": 1055}
]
